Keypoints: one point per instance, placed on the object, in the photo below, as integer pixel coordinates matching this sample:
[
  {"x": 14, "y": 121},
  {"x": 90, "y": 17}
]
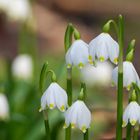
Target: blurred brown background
[{"x": 52, "y": 17}]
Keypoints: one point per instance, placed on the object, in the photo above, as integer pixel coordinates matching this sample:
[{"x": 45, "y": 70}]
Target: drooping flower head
[
  {"x": 4, "y": 107},
  {"x": 129, "y": 75},
  {"x": 54, "y": 96},
  {"x": 131, "y": 114},
  {"x": 77, "y": 54},
  {"x": 78, "y": 115},
  {"x": 103, "y": 47}
]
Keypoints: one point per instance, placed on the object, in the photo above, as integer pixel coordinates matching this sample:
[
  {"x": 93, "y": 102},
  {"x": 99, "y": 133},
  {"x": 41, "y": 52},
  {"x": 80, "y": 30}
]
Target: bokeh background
[{"x": 38, "y": 36}]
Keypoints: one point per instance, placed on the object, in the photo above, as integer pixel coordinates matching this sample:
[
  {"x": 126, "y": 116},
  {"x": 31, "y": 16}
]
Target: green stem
[
  {"x": 120, "y": 81},
  {"x": 135, "y": 135},
  {"x": 69, "y": 92},
  {"x": 86, "y": 136},
  {"x": 128, "y": 132},
  {"x": 70, "y": 32},
  {"x": 43, "y": 75},
  {"x": 69, "y": 85},
  {"x": 83, "y": 86},
  {"x": 47, "y": 128}
]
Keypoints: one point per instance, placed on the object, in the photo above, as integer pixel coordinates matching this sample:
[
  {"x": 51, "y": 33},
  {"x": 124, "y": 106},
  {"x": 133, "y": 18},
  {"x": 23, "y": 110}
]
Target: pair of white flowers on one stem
[
  {"x": 102, "y": 47},
  {"x": 55, "y": 96}
]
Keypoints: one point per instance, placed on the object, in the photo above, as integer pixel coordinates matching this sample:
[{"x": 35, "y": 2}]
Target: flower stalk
[
  {"x": 43, "y": 74},
  {"x": 136, "y": 132},
  {"x": 47, "y": 127},
  {"x": 69, "y": 92},
  {"x": 120, "y": 80},
  {"x": 70, "y": 31},
  {"x": 128, "y": 132},
  {"x": 83, "y": 86}
]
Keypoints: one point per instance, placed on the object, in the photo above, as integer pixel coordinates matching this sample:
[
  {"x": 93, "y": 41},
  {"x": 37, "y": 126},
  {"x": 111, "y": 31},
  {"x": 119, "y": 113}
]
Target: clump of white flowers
[
  {"x": 54, "y": 96},
  {"x": 22, "y": 67},
  {"x": 131, "y": 114},
  {"x": 103, "y": 47},
  {"x": 129, "y": 75},
  {"x": 77, "y": 54},
  {"x": 4, "y": 107},
  {"x": 78, "y": 115}
]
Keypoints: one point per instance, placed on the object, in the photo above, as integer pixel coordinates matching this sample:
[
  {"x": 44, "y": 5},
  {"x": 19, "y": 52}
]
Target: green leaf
[
  {"x": 70, "y": 31},
  {"x": 42, "y": 75}
]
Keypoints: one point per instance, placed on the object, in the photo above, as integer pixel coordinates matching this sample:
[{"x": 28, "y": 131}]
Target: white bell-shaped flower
[
  {"x": 131, "y": 114},
  {"x": 4, "y": 107},
  {"x": 77, "y": 54},
  {"x": 129, "y": 75},
  {"x": 54, "y": 96},
  {"x": 78, "y": 115},
  {"x": 22, "y": 67},
  {"x": 103, "y": 47}
]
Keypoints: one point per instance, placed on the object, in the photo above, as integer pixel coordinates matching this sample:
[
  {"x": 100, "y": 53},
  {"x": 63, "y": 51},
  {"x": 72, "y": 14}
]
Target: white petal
[
  {"x": 129, "y": 75},
  {"x": 97, "y": 47},
  {"x": 104, "y": 46},
  {"x": 101, "y": 52},
  {"x": 132, "y": 113},
  {"x": 85, "y": 120},
  {"x": 115, "y": 75},
  {"x": 79, "y": 52},
  {"x": 78, "y": 115},
  {"x": 43, "y": 101},
  {"x": 60, "y": 98},
  {"x": 113, "y": 50},
  {"x": 68, "y": 116},
  {"x": 68, "y": 58},
  {"x": 92, "y": 49},
  {"x": 74, "y": 113},
  {"x": 136, "y": 76},
  {"x": 50, "y": 96}
]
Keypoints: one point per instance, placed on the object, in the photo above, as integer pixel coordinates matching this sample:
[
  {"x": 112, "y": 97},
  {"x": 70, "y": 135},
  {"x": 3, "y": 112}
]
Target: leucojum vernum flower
[
  {"x": 79, "y": 54},
  {"x": 54, "y": 96}
]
